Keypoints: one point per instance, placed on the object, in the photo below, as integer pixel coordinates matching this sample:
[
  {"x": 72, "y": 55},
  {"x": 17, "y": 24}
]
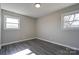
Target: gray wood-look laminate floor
[{"x": 37, "y": 47}]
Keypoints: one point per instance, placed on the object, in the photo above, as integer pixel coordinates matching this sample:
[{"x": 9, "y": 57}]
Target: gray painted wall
[
  {"x": 26, "y": 31},
  {"x": 49, "y": 29}
]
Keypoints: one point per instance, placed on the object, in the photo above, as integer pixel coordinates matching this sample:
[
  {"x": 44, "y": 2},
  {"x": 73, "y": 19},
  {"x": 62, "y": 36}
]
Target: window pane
[
  {"x": 71, "y": 17},
  {"x": 67, "y": 24},
  {"x": 11, "y": 20},
  {"x": 68, "y": 18},
  {"x": 75, "y": 23},
  {"x": 8, "y": 25},
  {"x": 76, "y": 16}
]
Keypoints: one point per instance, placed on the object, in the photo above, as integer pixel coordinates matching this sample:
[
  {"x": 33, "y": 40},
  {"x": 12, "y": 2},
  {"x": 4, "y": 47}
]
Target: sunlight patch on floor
[{"x": 25, "y": 52}]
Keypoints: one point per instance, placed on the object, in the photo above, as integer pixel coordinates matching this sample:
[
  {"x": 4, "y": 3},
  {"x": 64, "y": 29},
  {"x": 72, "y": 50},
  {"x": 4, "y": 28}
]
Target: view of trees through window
[{"x": 71, "y": 20}]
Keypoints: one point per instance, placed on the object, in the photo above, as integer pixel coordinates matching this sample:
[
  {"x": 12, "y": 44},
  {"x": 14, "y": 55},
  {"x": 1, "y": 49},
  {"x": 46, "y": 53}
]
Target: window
[
  {"x": 11, "y": 23},
  {"x": 71, "y": 20}
]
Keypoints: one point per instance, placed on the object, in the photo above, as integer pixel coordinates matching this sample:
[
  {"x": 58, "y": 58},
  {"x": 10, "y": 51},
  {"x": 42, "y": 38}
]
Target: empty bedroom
[{"x": 39, "y": 29}]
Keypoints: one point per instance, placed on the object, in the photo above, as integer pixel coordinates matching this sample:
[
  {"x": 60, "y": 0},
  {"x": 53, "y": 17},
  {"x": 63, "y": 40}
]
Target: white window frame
[
  {"x": 62, "y": 20},
  {"x": 14, "y": 17}
]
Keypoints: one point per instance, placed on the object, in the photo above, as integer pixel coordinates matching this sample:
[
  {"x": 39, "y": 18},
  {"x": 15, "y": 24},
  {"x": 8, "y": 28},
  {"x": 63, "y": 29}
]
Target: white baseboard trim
[
  {"x": 16, "y": 41},
  {"x": 59, "y": 44},
  {"x": 40, "y": 39}
]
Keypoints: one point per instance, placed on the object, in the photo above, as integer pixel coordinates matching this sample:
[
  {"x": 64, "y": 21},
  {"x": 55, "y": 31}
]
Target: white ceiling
[{"x": 29, "y": 9}]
